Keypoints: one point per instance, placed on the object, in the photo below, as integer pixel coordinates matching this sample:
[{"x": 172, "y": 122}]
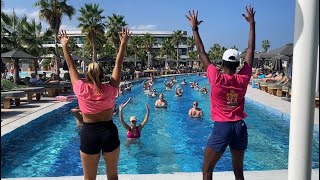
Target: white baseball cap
[
  {"x": 133, "y": 118},
  {"x": 231, "y": 53}
]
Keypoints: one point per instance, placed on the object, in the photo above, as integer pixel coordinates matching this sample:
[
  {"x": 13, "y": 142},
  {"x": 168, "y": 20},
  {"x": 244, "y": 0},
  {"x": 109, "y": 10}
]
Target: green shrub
[
  {"x": 66, "y": 76},
  {"x": 7, "y": 85}
]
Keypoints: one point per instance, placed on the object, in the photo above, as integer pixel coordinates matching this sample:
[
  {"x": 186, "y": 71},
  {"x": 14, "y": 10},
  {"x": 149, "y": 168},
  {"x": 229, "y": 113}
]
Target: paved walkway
[
  {"x": 249, "y": 175},
  {"x": 18, "y": 116}
]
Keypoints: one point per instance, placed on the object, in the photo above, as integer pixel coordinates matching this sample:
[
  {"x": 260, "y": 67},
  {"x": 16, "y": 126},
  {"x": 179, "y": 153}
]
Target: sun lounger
[
  {"x": 16, "y": 95},
  {"x": 52, "y": 89},
  {"x": 30, "y": 91},
  {"x": 275, "y": 89},
  {"x": 66, "y": 85}
]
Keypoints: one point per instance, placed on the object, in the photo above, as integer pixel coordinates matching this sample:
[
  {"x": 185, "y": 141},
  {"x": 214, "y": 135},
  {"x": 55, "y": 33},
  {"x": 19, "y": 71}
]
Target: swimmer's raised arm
[
  {"x": 124, "y": 124},
  {"x": 146, "y": 118}
]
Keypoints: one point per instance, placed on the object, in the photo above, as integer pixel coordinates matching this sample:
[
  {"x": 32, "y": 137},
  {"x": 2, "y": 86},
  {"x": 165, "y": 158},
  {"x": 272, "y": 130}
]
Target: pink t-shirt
[
  {"x": 228, "y": 93},
  {"x": 90, "y": 102}
]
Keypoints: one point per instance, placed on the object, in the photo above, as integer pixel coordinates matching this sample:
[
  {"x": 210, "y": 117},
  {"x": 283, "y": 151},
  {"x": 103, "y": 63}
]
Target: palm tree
[
  {"x": 235, "y": 47},
  {"x": 167, "y": 48},
  {"x": 52, "y": 11},
  {"x": 191, "y": 43},
  {"x": 33, "y": 39},
  {"x": 148, "y": 42},
  {"x": 91, "y": 24},
  {"x": 176, "y": 39},
  {"x": 215, "y": 51},
  {"x": 265, "y": 45},
  {"x": 114, "y": 25},
  {"x": 11, "y": 32},
  {"x": 135, "y": 44},
  {"x": 193, "y": 55}
]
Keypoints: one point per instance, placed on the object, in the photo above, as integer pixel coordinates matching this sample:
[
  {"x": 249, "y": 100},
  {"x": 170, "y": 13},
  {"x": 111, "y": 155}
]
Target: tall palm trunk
[
  {"x": 16, "y": 78},
  {"x": 35, "y": 65},
  {"x": 57, "y": 53},
  {"x": 177, "y": 55},
  {"x": 177, "y": 51},
  {"x": 94, "y": 49}
]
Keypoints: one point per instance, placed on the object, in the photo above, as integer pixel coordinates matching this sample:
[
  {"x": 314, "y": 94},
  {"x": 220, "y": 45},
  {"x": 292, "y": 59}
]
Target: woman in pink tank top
[
  {"x": 98, "y": 135},
  {"x": 133, "y": 131}
]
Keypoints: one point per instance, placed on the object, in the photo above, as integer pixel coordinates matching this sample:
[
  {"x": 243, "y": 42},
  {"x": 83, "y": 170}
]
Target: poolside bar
[{"x": 303, "y": 89}]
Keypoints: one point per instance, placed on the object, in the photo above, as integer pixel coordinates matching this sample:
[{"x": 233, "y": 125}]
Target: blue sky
[{"x": 222, "y": 24}]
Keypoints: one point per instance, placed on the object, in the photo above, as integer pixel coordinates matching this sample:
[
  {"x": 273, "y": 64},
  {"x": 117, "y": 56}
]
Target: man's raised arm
[
  {"x": 194, "y": 23},
  {"x": 252, "y": 35}
]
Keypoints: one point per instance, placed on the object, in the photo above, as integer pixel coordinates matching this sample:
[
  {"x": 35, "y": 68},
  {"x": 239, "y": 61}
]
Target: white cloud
[
  {"x": 149, "y": 27},
  {"x": 20, "y": 12}
]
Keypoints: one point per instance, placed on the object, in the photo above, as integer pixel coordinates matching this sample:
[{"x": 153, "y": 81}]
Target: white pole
[
  {"x": 317, "y": 82},
  {"x": 303, "y": 89}
]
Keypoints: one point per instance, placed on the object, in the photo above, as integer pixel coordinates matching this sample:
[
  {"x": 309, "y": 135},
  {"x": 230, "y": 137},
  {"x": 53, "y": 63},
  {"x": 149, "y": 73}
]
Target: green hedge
[{"x": 7, "y": 85}]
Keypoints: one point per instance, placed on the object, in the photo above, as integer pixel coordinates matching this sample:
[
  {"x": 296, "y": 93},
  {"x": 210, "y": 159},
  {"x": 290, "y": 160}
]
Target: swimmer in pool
[
  {"x": 133, "y": 131},
  {"x": 179, "y": 91},
  {"x": 195, "y": 112},
  {"x": 161, "y": 102}
]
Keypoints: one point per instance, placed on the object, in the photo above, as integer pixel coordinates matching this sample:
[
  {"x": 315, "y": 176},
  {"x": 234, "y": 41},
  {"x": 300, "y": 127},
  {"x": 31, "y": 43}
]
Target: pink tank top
[
  {"x": 133, "y": 133},
  {"x": 90, "y": 102}
]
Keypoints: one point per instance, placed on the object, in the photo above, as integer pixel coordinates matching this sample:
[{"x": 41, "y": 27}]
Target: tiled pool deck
[{"x": 18, "y": 116}]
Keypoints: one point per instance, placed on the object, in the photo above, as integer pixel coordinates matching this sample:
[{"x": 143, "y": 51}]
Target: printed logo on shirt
[{"x": 232, "y": 99}]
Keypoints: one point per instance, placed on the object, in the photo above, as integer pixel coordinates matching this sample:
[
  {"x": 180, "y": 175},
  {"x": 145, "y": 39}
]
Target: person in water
[
  {"x": 183, "y": 82},
  {"x": 168, "y": 85},
  {"x": 228, "y": 90},
  {"x": 78, "y": 116},
  {"x": 195, "y": 111},
  {"x": 179, "y": 91},
  {"x": 204, "y": 90},
  {"x": 96, "y": 102},
  {"x": 161, "y": 102},
  {"x": 133, "y": 131}
]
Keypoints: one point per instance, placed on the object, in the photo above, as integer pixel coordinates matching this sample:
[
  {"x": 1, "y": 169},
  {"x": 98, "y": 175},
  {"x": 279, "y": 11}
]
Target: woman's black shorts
[{"x": 98, "y": 136}]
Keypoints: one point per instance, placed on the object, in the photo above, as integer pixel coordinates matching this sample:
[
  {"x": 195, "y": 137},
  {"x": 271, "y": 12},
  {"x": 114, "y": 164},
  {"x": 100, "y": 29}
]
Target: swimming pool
[{"x": 170, "y": 142}]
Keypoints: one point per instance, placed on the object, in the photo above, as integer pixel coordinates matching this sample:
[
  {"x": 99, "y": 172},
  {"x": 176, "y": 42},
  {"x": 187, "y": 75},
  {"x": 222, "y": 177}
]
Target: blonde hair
[{"x": 95, "y": 76}]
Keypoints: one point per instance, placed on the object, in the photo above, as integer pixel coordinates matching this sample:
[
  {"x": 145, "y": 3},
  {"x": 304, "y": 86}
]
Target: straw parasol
[{"x": 16, "y": 55}]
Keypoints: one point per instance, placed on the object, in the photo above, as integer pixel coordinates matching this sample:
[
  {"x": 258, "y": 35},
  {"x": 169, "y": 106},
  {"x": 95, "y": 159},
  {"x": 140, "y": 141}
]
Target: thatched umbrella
[
  {"x": 130, "y": 59},
  {"x": 286, "y": 50},
  {"x": 16, "y": 55}
]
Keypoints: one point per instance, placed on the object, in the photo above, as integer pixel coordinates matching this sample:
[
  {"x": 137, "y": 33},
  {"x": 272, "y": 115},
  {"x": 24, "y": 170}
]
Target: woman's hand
[
  {"x": 250, "y": 14},
  {"x": 147, "y": 107},
  {"x": 121, "y": 107},
  {"x": 64, "y": 38},
  {"x": 124, "y": 35},
  {"x": 193, "y": 19}
]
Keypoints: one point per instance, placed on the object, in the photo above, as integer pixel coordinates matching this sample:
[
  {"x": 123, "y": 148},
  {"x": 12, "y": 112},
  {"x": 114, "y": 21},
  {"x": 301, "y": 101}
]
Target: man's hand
[
  {"x": 124, "y": 35},
  {"x": 250, "y": 14},
  {"x": 147, "y": 107},
  {"x": 193, "y": 19},
  {"x": 64, "y": 38}
]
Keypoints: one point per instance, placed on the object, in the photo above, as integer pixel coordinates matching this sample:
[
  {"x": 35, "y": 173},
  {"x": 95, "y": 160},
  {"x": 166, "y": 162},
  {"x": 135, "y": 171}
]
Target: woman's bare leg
[
  {"x": 89, "y": 165},
  {"x": 112, "y": 159}
]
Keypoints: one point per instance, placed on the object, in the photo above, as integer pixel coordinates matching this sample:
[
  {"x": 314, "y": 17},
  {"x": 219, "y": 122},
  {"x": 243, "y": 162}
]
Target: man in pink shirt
[{"x": 227, "y": 96}]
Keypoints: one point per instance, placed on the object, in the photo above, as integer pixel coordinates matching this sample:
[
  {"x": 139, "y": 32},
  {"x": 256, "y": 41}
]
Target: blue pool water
[{"x": 170, "y": 142}]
